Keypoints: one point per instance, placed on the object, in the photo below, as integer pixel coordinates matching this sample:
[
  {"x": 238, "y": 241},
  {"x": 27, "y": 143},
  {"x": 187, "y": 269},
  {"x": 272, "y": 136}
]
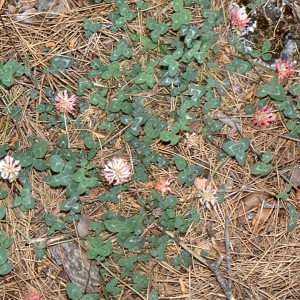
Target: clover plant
[
  {"x": 75, "y": 293},
  {"x": 5, "y": 243},
  {"x": 90, "y": 28}
]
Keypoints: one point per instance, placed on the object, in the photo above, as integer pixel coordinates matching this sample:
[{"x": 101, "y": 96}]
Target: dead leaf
[
  {"x": 83, "y": 225},
  {"x": 194, "y": 126},
  {"x": 262, "y": 216},
  {"x": 199, "y": 183},
  {"x": 98, "y": 135},
  {"x": 73, "y": 42},
  {"x": 50, "y": 44},
  {"x": 250, "y": 95},
  {"x": 12, "y": 140},
  {"x": 11, "y": 9},
  {"x": 182, "y": 286},
  {"x": 93, "y": 194},
  {"x": 251, "y": 201}
]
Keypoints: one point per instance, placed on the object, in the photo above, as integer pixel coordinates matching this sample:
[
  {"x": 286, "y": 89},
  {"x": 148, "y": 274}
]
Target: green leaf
[
  {"x": 255, "y": 53},
  {"x": 89, "y": 142},
  {"x": 260, "y": 168},
  {"x": 73, "y": 291},
  {"x": 166, "y": 136},
  {"x": 3, "y": 256},
  {"x": 177, "y": 5},
  {"x": 56, "y": 163},
  {"x": 173, "y": 68},
  {"x": 104, "y": 250},
  {"x": 28, "y": 202},
  {"x": 291, "y": 224},
  {"x": 182, "y": 177},
  {"x": 3, "y": 194},
  {"x": 39, "y": 164},
  {"x": 60, "y": 179},
  {"x": 277, "y": 92},
  {"x": 50, "y": 220},
  {"x": 266, "y": 46},
  {"x": 90, "y": 297},
  {"x": 171, "y": 213},
  {"x": 79, "y": 175},
  {"x": 266, "y": 56},
  {"x": 171, "y": 200},
  {"x": 266, "y": 158},
  {"x": 241, "y": 158},
  {"x": 180, "y": 163},
  {"x": 282, "y": 195},
  {"x": 115, "y": 106},
  {"x": 153, "y": 295},
  {"x": 263, "y": 91},
  {"x": 294, "y": 89},
  {"x": 6, "y": 268},
  {"x": 2, "y": 212},
  {"x": 113, "y": 225},
  {"x": 63, "y": 141},
  {"x": 132, "y": 223},
  {"x": 39, "y": 149},
  {"x": 25, "y": 160}
]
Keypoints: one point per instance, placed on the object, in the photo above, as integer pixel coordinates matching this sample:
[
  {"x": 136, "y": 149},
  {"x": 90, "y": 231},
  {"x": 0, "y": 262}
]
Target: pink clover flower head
[
  {"x": 263, "y": 116},
  {"x": 64, "y": 103},
  {"x": 9, "y": 168},
  {"x": 284, "y": 70},
  {"x": 162, "y": 185},
  {"x": 238, "y": 18},
  {"x": 117, "y": 170}
]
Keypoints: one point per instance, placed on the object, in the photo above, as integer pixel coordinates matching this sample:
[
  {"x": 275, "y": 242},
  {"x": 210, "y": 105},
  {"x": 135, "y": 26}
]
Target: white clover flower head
[
  {"x": 9, "y": 168},
  {"x": 64, "y": 103},
  {"x": 117, "y": 170}
]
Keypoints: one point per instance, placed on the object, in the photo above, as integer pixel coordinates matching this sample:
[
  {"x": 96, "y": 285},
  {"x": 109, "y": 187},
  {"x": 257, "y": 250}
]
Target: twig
[
  {"x": 213, "y": 266},
  {"x": 227, "y": 249}
]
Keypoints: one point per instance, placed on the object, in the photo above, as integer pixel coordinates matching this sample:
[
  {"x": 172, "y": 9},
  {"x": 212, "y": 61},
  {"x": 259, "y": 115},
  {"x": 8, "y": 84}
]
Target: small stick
[
  {"x": 227, "y": 248},
  {"x": 213, "y": 266}
]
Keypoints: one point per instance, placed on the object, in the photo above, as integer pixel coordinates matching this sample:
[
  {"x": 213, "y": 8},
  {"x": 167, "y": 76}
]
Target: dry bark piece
[
  {"x": 51, "y": 8},
  {"x": 28, "y": 16},
  {"x": 194, "y": 126},
  {"x": 83, "y": 225},
  {"x": 295, "y": 178},
  {"x": 80, "y": 270}
]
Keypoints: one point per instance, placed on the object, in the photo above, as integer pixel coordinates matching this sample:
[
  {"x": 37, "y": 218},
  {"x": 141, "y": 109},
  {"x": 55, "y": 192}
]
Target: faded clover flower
[
  {"x": 31, "y": 295},
  {"x": 238, "y": 18},
  {"x": 206, "y": 194},
  {"x": 263, "y": 117},
  {"x": 9, "y": 168},
  {"x": 162, "y": 185},
  {"x": 64, "y": 103},
  {"x": 117, "y": 170},
  {"x": 157, "y": 212},
  {"x": 284, "y": 70}
]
